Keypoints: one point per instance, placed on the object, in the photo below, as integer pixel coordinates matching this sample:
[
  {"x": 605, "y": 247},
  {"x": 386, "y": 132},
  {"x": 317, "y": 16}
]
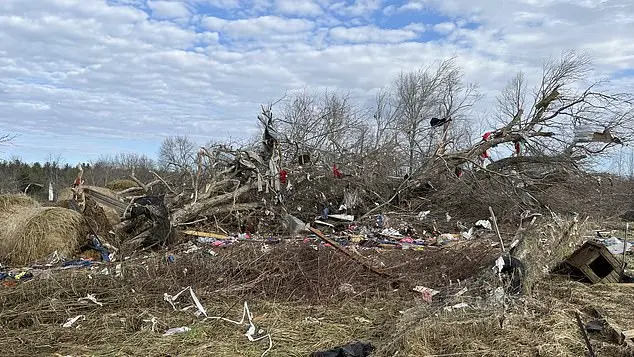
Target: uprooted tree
[{"x": 326, "y": 151}]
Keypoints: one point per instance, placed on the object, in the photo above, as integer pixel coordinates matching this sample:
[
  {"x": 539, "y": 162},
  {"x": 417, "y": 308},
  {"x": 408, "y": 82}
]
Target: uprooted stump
[
  {"x": 147, "y": 223},
  {"x": 30, "y": 233}
]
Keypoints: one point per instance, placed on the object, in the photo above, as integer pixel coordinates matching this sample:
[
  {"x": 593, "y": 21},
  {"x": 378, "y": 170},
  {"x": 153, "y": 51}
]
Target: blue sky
[{"x": 84, "y": 78}]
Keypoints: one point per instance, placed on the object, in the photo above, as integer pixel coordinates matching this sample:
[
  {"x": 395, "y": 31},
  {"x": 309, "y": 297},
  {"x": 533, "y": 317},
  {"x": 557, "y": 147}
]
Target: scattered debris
[
  {"x": 427, "y": 293},
  {"x": 71, "y": 321},
  {"x": 354, "y": 349},
  {"x": 92, "y": 298},
  {"x": 342, "y": 217},
  {"x": 172, "y": 300},
  {"x": 253, "y": 334},
  {"x": 483, "y": 223},
  {"x": 177, "y": 330}
]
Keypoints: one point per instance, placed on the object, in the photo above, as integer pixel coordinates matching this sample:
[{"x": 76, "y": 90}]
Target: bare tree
[
  {"x": 423, "y": 94},
  {"x": 329, "y": 124},
  {"x": 384, "y": 119},
  {"x": 582, "y": 119},
  {"x": 6, "y": 138},
  {"x": 178, "y": 153}
]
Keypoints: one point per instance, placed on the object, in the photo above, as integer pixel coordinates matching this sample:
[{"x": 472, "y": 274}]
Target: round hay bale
[
  {"x": 120, "y": 185},
  {"x": 29, "y": 234},
  {"x": 8, "y": 202}
]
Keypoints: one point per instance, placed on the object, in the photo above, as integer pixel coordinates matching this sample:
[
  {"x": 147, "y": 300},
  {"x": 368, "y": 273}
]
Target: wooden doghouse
[{"x": 596, "y": 262}]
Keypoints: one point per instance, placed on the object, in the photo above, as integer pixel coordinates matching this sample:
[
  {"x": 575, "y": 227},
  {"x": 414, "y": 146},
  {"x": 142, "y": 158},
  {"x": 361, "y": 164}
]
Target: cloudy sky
[{"x": 82, "y": 78}]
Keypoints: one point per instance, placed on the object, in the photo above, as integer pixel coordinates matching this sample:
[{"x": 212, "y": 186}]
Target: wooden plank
[
  {"x": 613, "y": 277},
  {"x": 615, "y": 333},
  {"x": 356, "y": 258},
  {"x": 205, "y": 234},
  {"x": 584, "y": 334},
  {"x": 590, "y": 274}
]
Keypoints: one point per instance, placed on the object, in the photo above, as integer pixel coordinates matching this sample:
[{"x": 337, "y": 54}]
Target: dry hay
[
  {"x": 8, "y": 202},
  {"x": 31, "y": 233},
  {"x": 121, "y": 184}
]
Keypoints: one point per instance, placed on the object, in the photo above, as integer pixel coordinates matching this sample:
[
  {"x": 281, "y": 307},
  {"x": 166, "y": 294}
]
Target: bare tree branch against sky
[{"x": 107, "y": 76}]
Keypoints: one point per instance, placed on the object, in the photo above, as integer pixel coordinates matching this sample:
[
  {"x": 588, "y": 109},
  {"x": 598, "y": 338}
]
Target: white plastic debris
[
  {"x": 90, "y": 297},
  {"x": 422, "y": 215},
  {"x": 459, "y": 306},
  {"x": 447, "y": 216},
  {"x": 362, "y": 320},
  {"x": 251, "y": 331},
  {"x": 483, "y": 223},
  {"x": 342, "y": 217},
  {"x": 391, "y": 232},
  {"x": 312, "y": 320},
  {"x": 467, "y": 235},
  {"x": 499, "y": 264},
  {"x": 118, "y": 271},
  {"x": 172, "y": 299},
  {"x": 70, "y": 322},
  {"x": 461, "y": 292},
  {"x": 192, "y": 249},
  {"x": 154, "y": 321},
  {"x": 615, "y": 245},
  {"x": 176, "y": 330}
]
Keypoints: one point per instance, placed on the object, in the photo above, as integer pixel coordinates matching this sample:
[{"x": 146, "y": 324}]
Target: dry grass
[
  {"x": 29, "y": 234},
  {"x": 9, "y": 202},
  {"x": 302, "y": 316},
  {"x": 299, "y": 322},
  {"x": 541, "y": 325}
]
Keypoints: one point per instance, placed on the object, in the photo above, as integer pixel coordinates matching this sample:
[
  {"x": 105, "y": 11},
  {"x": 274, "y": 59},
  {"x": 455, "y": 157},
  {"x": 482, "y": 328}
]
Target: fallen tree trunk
[{"x": 195, "y": 210}]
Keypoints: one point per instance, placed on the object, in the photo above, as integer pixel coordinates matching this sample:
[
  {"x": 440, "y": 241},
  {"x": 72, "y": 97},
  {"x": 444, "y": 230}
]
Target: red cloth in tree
[
  {"x": 283, "y": 176},
  {"x": 336, "y": 172}
]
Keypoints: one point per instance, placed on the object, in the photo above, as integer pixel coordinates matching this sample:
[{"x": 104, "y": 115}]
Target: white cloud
[
  {"x": 358, "y": 8},
  {"x": 370, "y": 34},
  {"x": 168, "y": 9},
  {"x": 444, "y": 27},
  {"x": 109, "y": 77},
  {"x": 220, "y": 4},
  {"x": 298, "y": 7},
  {"x": 258, "y": 26}
]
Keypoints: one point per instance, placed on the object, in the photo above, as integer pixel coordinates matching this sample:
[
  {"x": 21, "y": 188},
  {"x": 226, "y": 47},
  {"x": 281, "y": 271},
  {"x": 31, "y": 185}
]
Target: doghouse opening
[{"x": 601, "y": 267}]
